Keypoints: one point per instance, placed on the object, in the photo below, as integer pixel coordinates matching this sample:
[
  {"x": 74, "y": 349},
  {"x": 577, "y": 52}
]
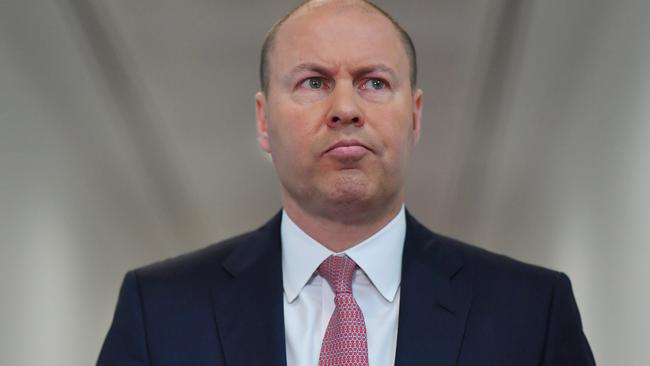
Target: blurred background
[{"x": 127, "y": 136}]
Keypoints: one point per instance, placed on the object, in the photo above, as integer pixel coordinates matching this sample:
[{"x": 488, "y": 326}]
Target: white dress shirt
[{"x": 309, "y": 300}]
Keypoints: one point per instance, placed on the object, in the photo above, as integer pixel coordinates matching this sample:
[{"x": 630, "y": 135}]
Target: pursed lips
[{"x": 347, "y": 150}]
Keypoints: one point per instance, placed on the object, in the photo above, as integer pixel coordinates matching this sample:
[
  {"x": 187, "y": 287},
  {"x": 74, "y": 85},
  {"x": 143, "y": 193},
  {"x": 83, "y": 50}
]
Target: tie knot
[{"x": 338, "y": 271}]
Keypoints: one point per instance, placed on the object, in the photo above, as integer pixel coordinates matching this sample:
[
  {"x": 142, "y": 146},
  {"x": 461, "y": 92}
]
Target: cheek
[
  {"x": 289, "y": 134},
  {"x": 395, "y": 132}
]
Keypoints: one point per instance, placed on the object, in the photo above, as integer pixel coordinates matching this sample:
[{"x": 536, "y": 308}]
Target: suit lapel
[
  {"x": 249, "y": 306},
  {"x": 435, "y": 298}
]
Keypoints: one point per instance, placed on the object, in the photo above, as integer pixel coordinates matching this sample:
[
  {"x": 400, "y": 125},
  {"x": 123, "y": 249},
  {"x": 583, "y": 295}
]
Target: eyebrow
[
  {"x": 376, "y": 68},
  {"x": 309, "y": 66}
]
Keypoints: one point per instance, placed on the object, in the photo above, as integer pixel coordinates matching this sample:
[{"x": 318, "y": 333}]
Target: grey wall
[
  {"x": 565, "y": 181},
  {"x": 127, "y": 136}
]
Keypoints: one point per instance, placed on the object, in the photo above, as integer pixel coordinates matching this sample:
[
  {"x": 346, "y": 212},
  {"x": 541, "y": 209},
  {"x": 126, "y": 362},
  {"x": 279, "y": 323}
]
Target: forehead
[{"x": 338, "y": 35}]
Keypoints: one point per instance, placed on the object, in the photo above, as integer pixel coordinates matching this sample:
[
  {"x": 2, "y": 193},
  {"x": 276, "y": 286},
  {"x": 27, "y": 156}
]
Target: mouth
[{"x": 347, "y": 150}]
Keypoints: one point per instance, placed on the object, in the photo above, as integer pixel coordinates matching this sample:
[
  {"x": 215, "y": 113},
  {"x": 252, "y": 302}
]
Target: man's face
[{"x": 339, "y": 117}]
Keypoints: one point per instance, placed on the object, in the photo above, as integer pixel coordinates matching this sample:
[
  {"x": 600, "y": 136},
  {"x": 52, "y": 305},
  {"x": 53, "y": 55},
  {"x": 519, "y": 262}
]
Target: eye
[
  {"x": 374, "y": 84},
  {"x": 313, "y": 83}
]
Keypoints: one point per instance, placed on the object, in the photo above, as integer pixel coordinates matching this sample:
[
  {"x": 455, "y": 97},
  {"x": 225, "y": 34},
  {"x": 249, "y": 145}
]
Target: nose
[{"x": 344, "y": 108}]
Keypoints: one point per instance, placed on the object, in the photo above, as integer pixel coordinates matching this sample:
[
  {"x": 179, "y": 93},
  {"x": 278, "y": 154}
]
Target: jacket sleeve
[
  {"x": 125, "y": 343},
  {"x": 565, "y": 343}
]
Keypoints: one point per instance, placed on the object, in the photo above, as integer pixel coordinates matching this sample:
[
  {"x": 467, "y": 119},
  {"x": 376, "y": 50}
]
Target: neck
[{"x": 341, "y": 232}]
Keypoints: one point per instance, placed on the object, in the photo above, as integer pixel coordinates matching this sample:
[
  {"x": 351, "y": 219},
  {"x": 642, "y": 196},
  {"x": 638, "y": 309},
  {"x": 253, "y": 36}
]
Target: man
[{"x": 343, "y": 275}]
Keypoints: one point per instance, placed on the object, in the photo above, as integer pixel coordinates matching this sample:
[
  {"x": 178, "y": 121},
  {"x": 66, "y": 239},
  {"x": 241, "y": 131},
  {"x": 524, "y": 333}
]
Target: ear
[
  {"x": 262, "y": 122},
  {"x": 417, "y": 115}
]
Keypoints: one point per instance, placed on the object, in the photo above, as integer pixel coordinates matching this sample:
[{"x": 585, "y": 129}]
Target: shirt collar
[{"x": 379, "y": 256}]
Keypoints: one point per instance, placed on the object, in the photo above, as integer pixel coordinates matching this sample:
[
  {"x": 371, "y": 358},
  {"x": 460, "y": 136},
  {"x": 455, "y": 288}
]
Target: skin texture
[{"x": 339, "y": 74}]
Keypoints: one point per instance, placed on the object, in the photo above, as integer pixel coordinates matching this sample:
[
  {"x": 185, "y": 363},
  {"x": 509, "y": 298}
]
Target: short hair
[{"x": 269, "y": 40}]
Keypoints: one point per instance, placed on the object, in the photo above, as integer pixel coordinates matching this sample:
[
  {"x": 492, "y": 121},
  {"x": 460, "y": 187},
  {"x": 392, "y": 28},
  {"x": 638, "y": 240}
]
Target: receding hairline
[{"x": 269, "y": 40}]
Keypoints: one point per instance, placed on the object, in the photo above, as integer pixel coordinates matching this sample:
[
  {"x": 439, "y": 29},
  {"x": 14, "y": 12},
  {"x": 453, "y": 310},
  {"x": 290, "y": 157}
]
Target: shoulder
[
  {"x": 503, "y": 289},
  {"x": 487, "y": 263},
  {"x": 209, "y": 264},
  {"x": 491, "y": 271},
  {"x": 515, "y": 310},
  {"x": 195, "y": 262}
]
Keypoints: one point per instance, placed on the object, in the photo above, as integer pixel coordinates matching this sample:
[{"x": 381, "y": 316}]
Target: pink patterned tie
[{"x": 345, "y": 342}]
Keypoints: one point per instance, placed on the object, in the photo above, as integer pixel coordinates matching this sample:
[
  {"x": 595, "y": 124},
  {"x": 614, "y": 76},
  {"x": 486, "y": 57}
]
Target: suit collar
[
  {"x": 255, "y": 248},
  {"x": 248, "y": 305},
  {"x": 435, "y": 299}
]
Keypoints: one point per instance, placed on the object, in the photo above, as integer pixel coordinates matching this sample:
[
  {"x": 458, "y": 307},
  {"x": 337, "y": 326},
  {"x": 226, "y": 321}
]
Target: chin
[
  {"x": 348, "y": 197},
  {"x": 350, "y": 188},
  {"x": 351, "y": 196}
]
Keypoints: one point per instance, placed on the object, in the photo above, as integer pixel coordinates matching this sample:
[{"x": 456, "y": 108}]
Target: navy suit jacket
[{"x": 460, "y": 305}]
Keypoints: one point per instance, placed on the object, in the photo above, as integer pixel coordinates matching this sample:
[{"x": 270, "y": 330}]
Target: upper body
[
  {"x": 340, "y": 113},
  {"x": 459, "y": 305}
]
